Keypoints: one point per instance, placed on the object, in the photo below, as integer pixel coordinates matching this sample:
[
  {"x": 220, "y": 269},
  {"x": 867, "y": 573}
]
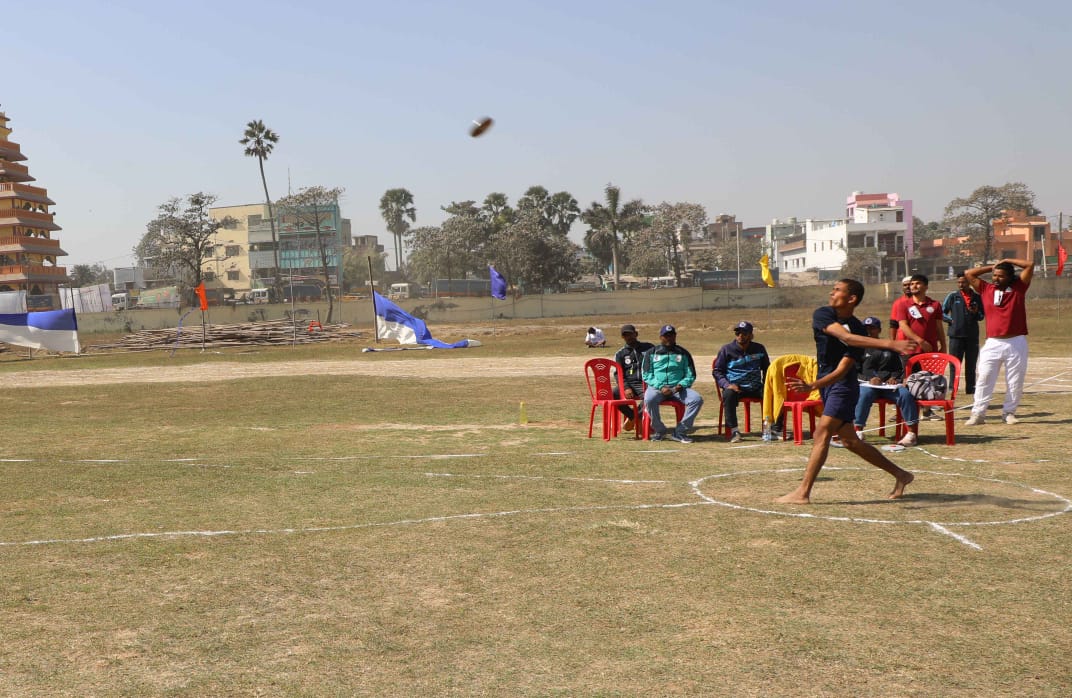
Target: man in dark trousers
[
  {"x": 739, "y": 369},
  {"x": 962, "y": 310},
  {"x": 629, "y": 358}
]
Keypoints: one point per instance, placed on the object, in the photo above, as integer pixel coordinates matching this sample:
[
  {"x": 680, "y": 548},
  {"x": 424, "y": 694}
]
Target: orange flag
[
  {"x": 201, "y": 295},
  {"x": 1061, "y": 257}
]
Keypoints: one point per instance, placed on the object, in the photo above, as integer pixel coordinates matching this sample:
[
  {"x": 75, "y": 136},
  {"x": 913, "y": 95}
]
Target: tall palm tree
[
  {"x": 563, "y": 210},
  {"x": 396, "y": 206},
  {"x": 609, "y": 221},
  {"x": 260, "y": 141}
]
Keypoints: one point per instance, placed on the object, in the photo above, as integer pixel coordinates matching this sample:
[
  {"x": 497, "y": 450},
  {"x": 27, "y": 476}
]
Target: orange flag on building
[
  {"x": 201, "y": 295},
  {"x": 1061, "y": 257}
]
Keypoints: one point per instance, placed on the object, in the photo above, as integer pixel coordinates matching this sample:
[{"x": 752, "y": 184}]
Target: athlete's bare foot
[
  {"x": 793, "y": 498},
  {"x": 902, "y": 482}
]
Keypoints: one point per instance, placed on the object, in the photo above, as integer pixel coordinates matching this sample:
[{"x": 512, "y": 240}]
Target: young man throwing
[{"x": 839, "y": 339}]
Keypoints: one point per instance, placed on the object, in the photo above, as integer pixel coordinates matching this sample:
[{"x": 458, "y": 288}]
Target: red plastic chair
[
  {"x": 679, "y": 412},
  {"x": 797, "y": 401},
  {"x": 600, "y": 374},
  {"x": 898, "y": 423},
  {"x": 746, "y": 401},
  {"x": 938, "y": 364}
]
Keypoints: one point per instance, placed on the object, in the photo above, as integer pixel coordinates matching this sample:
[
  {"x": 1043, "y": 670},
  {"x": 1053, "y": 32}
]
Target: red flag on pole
[
  {"x": 1061, "y": 257},
  {"x": 201, "y": 295}
]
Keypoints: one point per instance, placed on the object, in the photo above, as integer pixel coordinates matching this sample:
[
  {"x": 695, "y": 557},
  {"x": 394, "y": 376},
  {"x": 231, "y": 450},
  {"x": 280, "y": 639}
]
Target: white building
[{"x": 880, "y": 222}]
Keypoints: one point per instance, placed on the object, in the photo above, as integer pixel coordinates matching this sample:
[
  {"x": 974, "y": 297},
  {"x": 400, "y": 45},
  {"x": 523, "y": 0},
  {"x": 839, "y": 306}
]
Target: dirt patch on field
[
  {"x": 1045, "y": 374},
  {"x": 452, "y": 367}
]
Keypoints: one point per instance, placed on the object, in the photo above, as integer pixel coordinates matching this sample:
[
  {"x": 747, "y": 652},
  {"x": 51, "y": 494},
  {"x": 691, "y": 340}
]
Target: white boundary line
[
  {"x": 695, "y": 485},
  {"x": 348, "y": 527}
]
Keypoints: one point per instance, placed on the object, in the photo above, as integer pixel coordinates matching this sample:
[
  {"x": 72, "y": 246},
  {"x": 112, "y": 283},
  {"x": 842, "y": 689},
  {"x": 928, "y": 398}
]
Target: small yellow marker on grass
[{"x": 523, "y": 417}]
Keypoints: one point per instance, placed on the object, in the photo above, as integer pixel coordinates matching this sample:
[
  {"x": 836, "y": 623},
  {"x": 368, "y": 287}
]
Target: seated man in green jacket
[{"x": 669, "y": 373}]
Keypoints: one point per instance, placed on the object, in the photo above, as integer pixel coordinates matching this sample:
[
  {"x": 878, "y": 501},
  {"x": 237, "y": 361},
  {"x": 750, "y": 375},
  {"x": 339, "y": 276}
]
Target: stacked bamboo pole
[{"x": 271, "y": 332}]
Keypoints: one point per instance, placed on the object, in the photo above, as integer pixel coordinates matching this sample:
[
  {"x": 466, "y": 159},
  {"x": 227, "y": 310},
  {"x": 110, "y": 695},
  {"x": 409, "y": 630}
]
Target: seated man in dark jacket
[
  {"x": 882, "y": 376},
  {"x": 740, "y": 369},
  {"x": 629, "y": 358}
]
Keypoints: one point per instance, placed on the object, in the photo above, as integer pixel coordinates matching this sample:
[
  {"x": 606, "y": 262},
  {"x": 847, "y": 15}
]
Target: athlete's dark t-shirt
[{"x": 829, "y": 350}]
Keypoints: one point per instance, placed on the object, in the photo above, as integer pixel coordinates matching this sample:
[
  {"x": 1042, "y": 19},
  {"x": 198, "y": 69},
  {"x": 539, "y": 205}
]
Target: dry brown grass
[{"x": 384, "y": 532}]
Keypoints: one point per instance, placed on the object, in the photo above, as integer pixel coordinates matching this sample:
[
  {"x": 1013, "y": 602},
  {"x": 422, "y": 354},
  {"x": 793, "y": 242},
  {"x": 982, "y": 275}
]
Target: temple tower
[{"x": 27, "y": 251}]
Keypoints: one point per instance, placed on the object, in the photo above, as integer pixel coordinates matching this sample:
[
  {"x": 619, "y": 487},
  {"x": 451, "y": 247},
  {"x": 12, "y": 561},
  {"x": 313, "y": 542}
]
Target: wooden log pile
[{"x": 270, "y": 332}]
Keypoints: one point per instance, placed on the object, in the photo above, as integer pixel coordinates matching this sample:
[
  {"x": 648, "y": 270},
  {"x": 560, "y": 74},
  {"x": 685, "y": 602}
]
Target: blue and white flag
[
  {"x": 395, "y": 323},
  {"x": 52, "y": 329},
  {"x": 498, "y": 284}
]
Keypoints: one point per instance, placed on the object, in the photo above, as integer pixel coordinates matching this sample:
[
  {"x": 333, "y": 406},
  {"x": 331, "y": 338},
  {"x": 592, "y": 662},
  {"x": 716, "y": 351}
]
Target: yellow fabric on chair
[{"x": 774, "y": 387}]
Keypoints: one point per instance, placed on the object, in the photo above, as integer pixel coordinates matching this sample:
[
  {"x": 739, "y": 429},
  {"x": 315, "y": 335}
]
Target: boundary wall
[{"x": 476, "y": 310}]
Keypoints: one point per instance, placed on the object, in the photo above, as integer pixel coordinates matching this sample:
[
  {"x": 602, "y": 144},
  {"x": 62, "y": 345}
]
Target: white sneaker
[
  {"x": 975, "y": 420},
  {"x": 1009, "y": 418},
  {"x": 908, "y": 439}
]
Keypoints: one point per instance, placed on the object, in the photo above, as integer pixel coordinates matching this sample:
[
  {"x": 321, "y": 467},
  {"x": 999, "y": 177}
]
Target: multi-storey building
[
  {"x": 244, "y": 254},
  {"x": 1016, "y": 235},
  {"x": 878, "y": 225},
  {"x": 231, "y": 255},
  {"x": 27, "y": 251}
]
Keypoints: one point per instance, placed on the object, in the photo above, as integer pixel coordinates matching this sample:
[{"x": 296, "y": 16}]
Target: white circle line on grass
[
  {"x": 940, "y": 527},
  {"x": 805, "y": 515}
]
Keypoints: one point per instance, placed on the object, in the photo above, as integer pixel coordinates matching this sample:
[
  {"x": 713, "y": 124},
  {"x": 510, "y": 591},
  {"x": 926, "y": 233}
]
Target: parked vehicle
[
  {"x": 404, "y": 291},
  {"x": 302, "y": 293},
  {"x": 257, "y": 295},
  {"x": 124, "y": 300}
]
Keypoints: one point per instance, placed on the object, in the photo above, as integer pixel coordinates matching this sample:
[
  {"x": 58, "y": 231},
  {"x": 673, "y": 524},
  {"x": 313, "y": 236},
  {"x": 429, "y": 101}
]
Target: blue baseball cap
[
  {"x": 667, "y": 329},
  {"x": 872, "y": 321},
  {"x": 743, "y": 327}
]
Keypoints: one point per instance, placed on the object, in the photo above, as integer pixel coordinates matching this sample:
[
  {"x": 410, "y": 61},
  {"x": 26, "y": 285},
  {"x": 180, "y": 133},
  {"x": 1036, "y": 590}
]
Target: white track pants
[{"x": 995, "y": 353}]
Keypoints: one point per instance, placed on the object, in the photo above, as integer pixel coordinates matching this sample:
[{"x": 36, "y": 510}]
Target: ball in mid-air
[{"x": 480, "y": 126}]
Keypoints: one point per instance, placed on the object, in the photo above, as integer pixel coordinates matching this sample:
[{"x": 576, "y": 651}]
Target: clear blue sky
[{"x": 759, "y": 109}]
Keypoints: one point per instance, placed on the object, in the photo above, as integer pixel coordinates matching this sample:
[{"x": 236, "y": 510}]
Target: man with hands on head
[{"x": 1006, "y": 335}]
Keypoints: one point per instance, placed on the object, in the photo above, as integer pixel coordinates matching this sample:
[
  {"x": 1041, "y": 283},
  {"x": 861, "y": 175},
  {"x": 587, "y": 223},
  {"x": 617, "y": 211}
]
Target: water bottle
[{"x": 766, "y": 430}]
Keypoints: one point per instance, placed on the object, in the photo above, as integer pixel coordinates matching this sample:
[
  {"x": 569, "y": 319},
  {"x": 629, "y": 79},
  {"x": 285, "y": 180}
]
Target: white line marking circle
[{"x": 695, "y": 484}]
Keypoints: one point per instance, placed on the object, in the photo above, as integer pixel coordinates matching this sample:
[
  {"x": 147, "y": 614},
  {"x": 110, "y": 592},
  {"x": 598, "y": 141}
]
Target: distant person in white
[{"x": 595, "y": 338}]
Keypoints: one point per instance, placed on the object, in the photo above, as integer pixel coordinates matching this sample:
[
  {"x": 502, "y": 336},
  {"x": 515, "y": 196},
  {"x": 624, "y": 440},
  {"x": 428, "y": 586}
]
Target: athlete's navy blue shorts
[{"x": 839, "y": 400}]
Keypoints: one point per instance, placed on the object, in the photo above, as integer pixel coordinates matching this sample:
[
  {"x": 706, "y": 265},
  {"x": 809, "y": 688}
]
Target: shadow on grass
[{"x": 944, "y": 500}]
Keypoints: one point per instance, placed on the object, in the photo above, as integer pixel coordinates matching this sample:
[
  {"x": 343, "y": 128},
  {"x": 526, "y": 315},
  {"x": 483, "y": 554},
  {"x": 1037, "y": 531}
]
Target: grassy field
[{"x": 395, "y": 531}]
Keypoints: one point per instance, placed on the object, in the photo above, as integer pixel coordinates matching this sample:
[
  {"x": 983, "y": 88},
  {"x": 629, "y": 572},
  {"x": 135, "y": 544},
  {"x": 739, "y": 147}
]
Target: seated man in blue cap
[
  {"x": 740, "y": 369},
  {"x": 669, "y": 373},
  {"x": 882, "y": 376}
]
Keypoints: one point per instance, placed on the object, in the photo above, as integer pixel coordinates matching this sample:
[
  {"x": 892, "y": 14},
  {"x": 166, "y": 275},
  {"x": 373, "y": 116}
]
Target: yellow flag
[{"x": 765, "y": 269}]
